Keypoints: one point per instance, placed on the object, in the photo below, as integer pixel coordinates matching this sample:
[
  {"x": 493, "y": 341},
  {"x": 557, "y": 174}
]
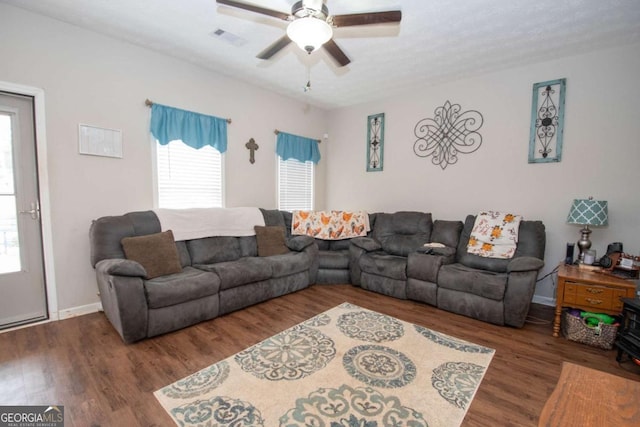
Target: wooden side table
[{"x": 590, "y": 291}]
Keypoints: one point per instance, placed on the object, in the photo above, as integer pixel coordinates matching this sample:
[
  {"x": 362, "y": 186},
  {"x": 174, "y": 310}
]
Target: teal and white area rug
[{"x": 346, "y": 367}]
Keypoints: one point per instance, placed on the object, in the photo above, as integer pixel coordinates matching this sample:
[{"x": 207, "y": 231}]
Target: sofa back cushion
[
  {"x": 323, "y": 245},
  {"x": 107, "y": 232},
  {"x": 248, "y": 246},
  {"x": 277, "y": 218},
  {"x": 531, "y": 242},
  {"x": 447, "y": 232},
  {"x": 401, "y": 233},
  {"x": 210, "y": 250},
  {"x": 183, "y": 253}
]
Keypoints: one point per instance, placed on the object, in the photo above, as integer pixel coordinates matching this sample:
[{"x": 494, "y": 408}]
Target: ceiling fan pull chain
[{"x": 307, "y": 87}]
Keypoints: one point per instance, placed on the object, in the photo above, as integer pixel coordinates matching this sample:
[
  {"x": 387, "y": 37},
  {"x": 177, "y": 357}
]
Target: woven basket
[{"x": 575, "y": 329}]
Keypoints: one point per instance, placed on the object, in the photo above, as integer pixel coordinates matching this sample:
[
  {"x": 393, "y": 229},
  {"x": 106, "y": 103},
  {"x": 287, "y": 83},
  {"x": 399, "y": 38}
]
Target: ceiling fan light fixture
[{"x": 309, "y": 33}]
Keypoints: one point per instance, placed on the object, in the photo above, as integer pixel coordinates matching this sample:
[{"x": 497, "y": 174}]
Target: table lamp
[{"x": 587, "y": 212}]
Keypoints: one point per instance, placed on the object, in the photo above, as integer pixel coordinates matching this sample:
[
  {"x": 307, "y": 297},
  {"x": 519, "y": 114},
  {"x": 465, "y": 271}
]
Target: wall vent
[{"x": 228, "y": 37}]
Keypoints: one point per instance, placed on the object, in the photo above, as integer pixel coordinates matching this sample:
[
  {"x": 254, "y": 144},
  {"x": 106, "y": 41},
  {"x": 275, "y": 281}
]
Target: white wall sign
[{"x": 95, "y": 141}]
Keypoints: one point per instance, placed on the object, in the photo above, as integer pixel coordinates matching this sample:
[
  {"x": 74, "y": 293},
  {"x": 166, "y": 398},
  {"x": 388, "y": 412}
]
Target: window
[
  {"x": 189, "y": 178},
  {"x": 295, "y": 185}
]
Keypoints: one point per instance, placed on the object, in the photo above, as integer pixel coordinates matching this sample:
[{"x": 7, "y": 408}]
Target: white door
[{"x": 23, "y": 297}]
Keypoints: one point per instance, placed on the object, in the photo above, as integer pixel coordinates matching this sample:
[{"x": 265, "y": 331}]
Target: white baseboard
[
  {"x": 544, "y": 300},
  {"x": 79, "y": 311}
]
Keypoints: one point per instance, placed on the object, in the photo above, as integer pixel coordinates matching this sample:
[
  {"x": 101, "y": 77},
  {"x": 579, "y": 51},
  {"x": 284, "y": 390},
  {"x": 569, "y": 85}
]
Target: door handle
[{"x": 34, "y": 211}]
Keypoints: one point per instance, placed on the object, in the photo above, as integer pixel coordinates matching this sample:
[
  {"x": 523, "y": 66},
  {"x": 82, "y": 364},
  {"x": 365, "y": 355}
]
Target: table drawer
[
  {"x": 594, "y": 291},
  {"x": 597, "y": 302},
  {"x": 593, "y": 296}
]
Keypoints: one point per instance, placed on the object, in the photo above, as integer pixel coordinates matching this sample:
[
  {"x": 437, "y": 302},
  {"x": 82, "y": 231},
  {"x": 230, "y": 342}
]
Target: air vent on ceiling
[{"x": 228, "y": 37}]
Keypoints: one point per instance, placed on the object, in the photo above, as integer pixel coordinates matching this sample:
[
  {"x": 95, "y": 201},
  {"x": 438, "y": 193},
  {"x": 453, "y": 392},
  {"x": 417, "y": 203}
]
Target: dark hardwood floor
[{"x": 81, "y": 363}]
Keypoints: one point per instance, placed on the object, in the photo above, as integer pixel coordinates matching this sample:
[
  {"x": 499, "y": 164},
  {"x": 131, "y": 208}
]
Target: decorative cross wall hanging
[
  {"x": 448, "y": 134},
  {"x": 252, "y": 147},
  {"x": 547, "y": 121}
]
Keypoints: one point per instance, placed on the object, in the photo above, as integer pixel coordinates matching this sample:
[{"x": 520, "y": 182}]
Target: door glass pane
[{"x": 9, "y": 247}]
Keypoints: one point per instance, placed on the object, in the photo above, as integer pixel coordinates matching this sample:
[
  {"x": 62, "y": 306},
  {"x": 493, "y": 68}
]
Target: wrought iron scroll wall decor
[
  {"x": 375, "y": 142},
  {"x": 547, "y": 121},
  {"x": 448, "y": 134}
]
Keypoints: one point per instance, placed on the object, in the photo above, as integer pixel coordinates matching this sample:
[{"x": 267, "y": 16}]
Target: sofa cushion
[
  {"x": 293, "y": 262},
  {"x": 334, "y": 259},
  {"x": 447, "y": 232},
  {"x": 531, "y": 242},
  {"x": 323, "y": 245},
  {"x": 210, "y": 250},
  {"x": 183, "y": 253},
  {"x": 381, "y": 264},
  {"x": 157, "y": 253},
  {"x": 339, "y": 245},
  {"x": 485, "y": 284},
  {"x": 248, "y": 246},
  {"x": 270, "y": 240},
  {"x": 401, "y": 233},
  {"x": 106, "y": 233},
  {"x": 240, "y": 272},
  {"x": 273, "y": 217},
  {"x": 190, "y": 284}
]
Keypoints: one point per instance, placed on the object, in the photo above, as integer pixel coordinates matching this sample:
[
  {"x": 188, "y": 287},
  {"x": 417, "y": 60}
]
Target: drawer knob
[
  {"x": 593, "y": 301},
  {"x": 594, "y": 290}
]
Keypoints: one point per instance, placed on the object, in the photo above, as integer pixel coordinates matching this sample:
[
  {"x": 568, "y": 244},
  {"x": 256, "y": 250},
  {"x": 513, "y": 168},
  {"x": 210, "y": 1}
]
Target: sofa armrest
[
  {"x": 121, "y": 267},
  {"x": 299, "y": 243},
  {"x": 525, "y": 263},
  {"x": 521, "y": 285},
  {"x": 123, "y": 297},
  {"x": 425, "y": 267},
  {"x": 366, "y": 243}
]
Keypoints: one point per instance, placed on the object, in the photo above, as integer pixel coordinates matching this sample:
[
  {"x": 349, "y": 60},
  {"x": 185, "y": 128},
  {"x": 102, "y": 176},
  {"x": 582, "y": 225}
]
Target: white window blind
[
  {"x": 189, "y": 178},
  {"x": 295, "y": 185}
]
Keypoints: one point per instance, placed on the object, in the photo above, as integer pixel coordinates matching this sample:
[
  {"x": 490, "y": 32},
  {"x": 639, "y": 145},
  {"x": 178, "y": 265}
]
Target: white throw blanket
[
  {"x": 494, "y": 235},
  {"x": 197, "y": 223}
]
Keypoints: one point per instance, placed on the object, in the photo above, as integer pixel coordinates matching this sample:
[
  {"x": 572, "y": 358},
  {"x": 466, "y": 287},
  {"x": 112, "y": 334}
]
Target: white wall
[
  {"x": 600, "y": 154},
  {"x": 91, "y": 79}
]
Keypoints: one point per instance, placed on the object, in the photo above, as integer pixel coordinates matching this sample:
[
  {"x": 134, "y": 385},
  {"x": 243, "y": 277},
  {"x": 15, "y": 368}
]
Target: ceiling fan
[{"x": 311, "y": 26}]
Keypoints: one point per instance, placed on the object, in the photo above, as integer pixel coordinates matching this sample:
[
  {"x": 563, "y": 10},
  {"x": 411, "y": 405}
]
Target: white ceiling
[{"x": 436, "y": 42}]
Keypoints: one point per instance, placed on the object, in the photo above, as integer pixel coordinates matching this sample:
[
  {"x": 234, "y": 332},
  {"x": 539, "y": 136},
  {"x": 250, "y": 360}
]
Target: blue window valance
[
  {"x": 290, "y": 146},
  {"x": 194, "y": 129}
]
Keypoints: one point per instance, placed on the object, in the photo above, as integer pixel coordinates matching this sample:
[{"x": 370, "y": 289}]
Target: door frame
[{"x": 43, "y": 192}]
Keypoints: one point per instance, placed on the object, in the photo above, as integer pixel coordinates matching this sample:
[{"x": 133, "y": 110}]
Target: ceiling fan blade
[
  {"x": 367, "y": 18},
  {"x": 337, "y": 53},
  {"x": 256, "y": 9},
  {"x": 275, "y": 47}
]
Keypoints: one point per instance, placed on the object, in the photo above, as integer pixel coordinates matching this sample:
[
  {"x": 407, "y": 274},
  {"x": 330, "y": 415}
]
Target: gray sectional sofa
[
  {"x": 334, "y": 258},
  {"x": 393, "y": 262},
  {"x": 218, "y": 275}
]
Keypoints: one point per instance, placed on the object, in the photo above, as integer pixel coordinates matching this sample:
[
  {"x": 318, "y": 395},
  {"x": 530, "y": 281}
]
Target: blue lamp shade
[{"x": 588, "y": 212}]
